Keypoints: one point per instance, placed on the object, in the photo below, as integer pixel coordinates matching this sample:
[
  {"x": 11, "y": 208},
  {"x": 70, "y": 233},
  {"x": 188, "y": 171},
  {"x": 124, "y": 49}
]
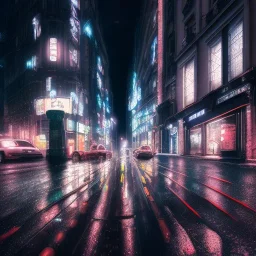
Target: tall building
[
  {"x": 143, "y": 86},
  {"x": 56, "y": 59},
  {"x": 215, "y": 59}
]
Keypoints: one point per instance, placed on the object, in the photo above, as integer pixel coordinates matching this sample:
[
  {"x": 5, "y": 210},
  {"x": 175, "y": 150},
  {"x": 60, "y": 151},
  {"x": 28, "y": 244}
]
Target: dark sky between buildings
[{"x": 119, "y": 19}]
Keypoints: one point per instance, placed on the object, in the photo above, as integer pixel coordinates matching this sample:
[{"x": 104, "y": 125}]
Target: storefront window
[
  {"x": 174, "y": 140},
  {"x": 221, "y": 135},
  {"x": 195, "y": 141}
]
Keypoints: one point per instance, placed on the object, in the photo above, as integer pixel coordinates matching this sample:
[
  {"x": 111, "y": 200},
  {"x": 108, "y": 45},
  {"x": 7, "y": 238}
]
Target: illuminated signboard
[
  {"x": 70, "y": 125},
  {"x": 196, "y": 115},
  {"x": 36, "y": 22},
  {"x": 53, "y": 49},
  {"x": 48, "y": 84},
  {"x": 42, "y": 105},
  {"x": 233, "y": 93},
  {"x": 32, "y": 63},
  {"x": 88, "y": 29},
  {"x": 80, "y": 128}
]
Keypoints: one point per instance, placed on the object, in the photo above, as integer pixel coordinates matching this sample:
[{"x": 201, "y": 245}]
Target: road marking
[
  {"x": 185, "y": 203},
  {"x": 48, "y": 251},
  {"x": 214, "y": 204},
  {"x": 230, "y": 197},
  {"x": 9, "y": 233},
  {"x": 181, "y": 173},
  {"x": 165, "y": 230}
]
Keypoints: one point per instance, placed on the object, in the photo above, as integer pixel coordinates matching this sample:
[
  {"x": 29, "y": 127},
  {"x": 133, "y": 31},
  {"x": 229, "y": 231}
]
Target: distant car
[
  {"x": 143, "y": 152},
  {"x": 16, "y": 149},
  {"x": 95, "y": 152}
]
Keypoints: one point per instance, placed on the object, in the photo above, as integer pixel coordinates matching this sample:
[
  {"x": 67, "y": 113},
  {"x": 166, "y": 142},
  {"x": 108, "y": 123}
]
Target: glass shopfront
[
  {"x": 173, "y": 139},
  {"x": 221, "y": 135},
  {"x": 196, "y": 141}
]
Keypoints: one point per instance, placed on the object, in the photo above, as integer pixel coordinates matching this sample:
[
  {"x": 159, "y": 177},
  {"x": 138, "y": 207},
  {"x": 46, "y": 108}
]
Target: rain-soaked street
[{"x": 163, "y": 206}]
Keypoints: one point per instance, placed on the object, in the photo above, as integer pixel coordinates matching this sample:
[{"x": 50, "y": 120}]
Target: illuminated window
[
  {"x": 154, "y": 51},
  {"x": 73, "y": 57},
  {"x": 99, "y": 64},
  {"x": 215, "y": 65},
  {"x": 99, "y": 81},
  {"x": 53, "y": 49},
  {"x": 235, "y": 58},
  {"x": 88, "y": 29},
  {"x": 99, "y": 101},
  {"x": 189, "y": 83},
  {"x": 48, "y": 84},
  {"x": 36, "y": 26},
  {"x": 75, "y": 29}
]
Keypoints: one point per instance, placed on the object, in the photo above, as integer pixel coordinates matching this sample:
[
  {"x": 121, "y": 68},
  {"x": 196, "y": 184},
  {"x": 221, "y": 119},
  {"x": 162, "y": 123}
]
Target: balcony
[
  {"x": 188, "y": 7},
  {"x": 218, "y": 6}
]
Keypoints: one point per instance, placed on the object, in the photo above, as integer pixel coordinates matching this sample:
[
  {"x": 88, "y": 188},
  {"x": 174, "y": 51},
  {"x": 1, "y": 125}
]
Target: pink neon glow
[{"x": 160, "y": 52}]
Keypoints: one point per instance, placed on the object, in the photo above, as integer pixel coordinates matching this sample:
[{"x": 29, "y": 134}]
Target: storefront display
[
  {"x": 196, "y": 141},
  {"x": 221, "y": 135},
  {"x": 173, "y": 130}
]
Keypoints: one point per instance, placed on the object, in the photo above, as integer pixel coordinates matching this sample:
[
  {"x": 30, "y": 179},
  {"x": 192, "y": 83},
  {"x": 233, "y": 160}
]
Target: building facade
[
  {"x": 215, "y": 79},
  {"x": 143, "y": 86},
  {"x": 53, "y": 64},
  {"x": 205, "y": 86}
]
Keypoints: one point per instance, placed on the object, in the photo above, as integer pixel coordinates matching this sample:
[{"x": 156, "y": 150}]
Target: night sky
[{"x": 118, "y": 20}]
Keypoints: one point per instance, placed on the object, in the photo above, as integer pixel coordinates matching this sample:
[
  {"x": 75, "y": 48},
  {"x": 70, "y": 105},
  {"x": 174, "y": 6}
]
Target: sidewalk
[{"x": 230, "y": 160}]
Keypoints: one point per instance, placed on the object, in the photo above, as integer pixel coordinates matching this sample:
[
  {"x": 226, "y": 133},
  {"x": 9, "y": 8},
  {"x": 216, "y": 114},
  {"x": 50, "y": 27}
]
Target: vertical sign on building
[
  {"x": 53, "y": 49},
  {"x": 160, "y": 52}
]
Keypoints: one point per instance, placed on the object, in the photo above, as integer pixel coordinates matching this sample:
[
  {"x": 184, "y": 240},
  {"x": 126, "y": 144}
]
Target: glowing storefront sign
[
  {"x": 53, "y": 49},
  {"x": 233, "y": 93},
  {"x": 42, "y": 105},
  {"x": 196, "y": 115}
]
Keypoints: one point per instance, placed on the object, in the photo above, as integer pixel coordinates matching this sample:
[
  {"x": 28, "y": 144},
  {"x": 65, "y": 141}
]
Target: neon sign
[
  {"x": 88, "y": 29},
  {"x": 53, "y": 49},
  {"x": 32, "y": 63},
  {"x": 196, "y": 115},
  {"x": 233, "y": 93},
  {"x": 45, "y": 104}
]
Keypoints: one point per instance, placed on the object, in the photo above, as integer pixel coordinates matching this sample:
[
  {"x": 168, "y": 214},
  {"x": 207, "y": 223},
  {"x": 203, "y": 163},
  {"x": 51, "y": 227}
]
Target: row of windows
[{"x": 215, "y": 67}]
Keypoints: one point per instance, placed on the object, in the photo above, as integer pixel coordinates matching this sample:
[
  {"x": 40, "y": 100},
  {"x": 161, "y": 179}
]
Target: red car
[
  {"x": 95, "y": 152},
  {"x": 143, "y": 152}
]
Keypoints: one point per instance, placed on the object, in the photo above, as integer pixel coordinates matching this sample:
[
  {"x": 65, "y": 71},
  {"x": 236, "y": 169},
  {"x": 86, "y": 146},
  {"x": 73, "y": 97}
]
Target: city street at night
[
  {"x": 128, "y": 127},
  {"x": 163, "y": 206}
]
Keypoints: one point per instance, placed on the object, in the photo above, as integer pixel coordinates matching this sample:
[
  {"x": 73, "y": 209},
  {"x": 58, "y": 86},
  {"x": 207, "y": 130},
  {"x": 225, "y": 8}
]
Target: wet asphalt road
[{"x": 163, "y": 206}]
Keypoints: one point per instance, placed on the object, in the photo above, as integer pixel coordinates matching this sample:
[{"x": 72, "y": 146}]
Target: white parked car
[{"x": 16, "y": 149}]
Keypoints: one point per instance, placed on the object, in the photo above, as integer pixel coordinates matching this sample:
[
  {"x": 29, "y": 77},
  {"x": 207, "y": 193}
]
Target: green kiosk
[{"x": 57, "y": 148}]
